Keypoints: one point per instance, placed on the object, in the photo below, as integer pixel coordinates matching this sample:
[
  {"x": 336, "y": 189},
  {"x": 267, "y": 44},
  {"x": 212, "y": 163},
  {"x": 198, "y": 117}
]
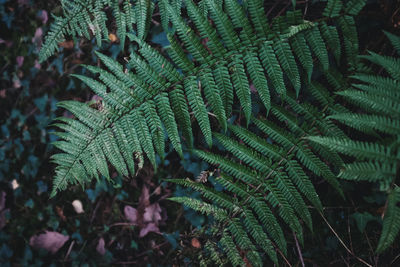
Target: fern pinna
[{"x": 377, "y": 160}]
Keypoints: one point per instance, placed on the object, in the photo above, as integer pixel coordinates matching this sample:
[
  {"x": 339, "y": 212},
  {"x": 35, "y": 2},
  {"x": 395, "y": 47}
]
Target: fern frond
[
  {"x": 353, "y": 7},
  {"x": 390, "y": 64},
  {"x": 271, "y": 64},
  {"x": 55, "y": 35},
  {"x": 303, "y": 53},
  {"x": 317, "y": 46},
  {"x": 395, "y": 40},
  {"x": 155, "y": 126},
  {"x": 376, "y": 99},
  {"x": 333, "y": 8},
  {"x": 197, "y": 104},
  {"x": 258, "y": 78},
  {"x": 230, "y": 247},
  {"x": 361, "y": 150},
  {"x": 288, "y": 63},
  {"x": 241, "y": 85},
  {"x": 212, "y": 95},
  {"x": 391, "y": 225},
  {"x": 202, "y": 207},
  {"x": 369, "y": 123},
  {"x": 168, "y": 118},
  {"x": 87, "y": 18},
  {"x": 368, "y": 171},
  {"x": 223, "y": 49}
]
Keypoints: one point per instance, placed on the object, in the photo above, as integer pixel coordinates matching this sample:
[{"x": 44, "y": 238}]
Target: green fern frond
[
  {"x": 202, "y": 207},
  {"x": 87, "y": 18},
  {"x": 353, "y": 7},
  {"x": 360, "y": 150},
  {"x": 217, "y": 58},
  {"x": 377, "y": 101},
  {"x": 333, "y": 8},
  {"x": 395, "y": 40},
  {"x": 391, "y": 225},
  {"x": 368, "y": 171},
  {"x": 369, "y": 123}
]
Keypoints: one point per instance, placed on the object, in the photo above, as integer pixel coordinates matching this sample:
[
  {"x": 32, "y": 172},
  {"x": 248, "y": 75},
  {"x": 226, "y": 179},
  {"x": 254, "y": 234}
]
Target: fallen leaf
[
  {"x": 50, "y": 241},
  {"x": 60, "y": 213},
  {"x": 131, "y": 214},
  {"x": 157, "y": 191},
  {"x": 67, "y": 44},
  {"x": 113, "y": 38},
  {"x": 14, "y": 184},
  {"x": 37, "y": 65},
  {"x": 100, "y": 247},
  {"x": 20, "y": 61},
  {"x": 150, "y": 227},
  {"x": 77, "y": 204},
  {"x": 43, "y": 16},
  {"x": 152, "y": 213},
  {"x": 37, "y": 38},
  {"x": 144, "y": 199},
  {"x": 196, "y": 243}
]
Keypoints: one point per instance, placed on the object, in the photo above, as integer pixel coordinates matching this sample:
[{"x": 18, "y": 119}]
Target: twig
[
  {"x": 349, "y": 231},
  {"x": 94, "y": 211},
  {"x": 122, "y": 224},
  {"x": 391, "y": 263},
  {"x": 284, "y": 258},
  {"x": 372, "y": 250},
  {"x": 298, "y": 249},
  {"x": 343, "y": 244},
  {"x": 69, "y": 250}
]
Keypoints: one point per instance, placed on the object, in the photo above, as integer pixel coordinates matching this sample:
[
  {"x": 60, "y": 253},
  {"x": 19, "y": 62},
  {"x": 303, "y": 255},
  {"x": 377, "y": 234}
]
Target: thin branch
[
  {"x": 343, "y": 244},
  {"x": 299, "y": 250},
  {"x": 284, "y": 258}
]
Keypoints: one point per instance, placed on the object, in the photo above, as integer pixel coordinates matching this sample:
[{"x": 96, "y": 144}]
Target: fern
[
  {"x": 267, "y": 177},
  {"x": 377, "y": 160},
  {"x": 88, "y": 18},
  {"x": 155, "y": 94},
  {"x": 264, "y": 177}
]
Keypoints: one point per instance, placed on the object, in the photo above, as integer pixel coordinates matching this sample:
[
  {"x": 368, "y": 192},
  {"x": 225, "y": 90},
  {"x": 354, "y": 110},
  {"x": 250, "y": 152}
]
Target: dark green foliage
[
  {"x": 154, "y": 95},
  {"x": 376, "y": 160},
  {"x": 264, "y": 177},
  {"x": 215, "y": 61}
]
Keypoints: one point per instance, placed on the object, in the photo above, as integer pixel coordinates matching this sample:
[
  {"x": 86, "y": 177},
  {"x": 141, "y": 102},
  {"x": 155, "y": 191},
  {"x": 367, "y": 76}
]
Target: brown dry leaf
[
  {"x": 195, "y": 243},
  {"x": 50, "y": 241},
  {"x": 67, "y": 44},
  {"x": 60, "y": 213},
  {"x": 113, "y": 38}
]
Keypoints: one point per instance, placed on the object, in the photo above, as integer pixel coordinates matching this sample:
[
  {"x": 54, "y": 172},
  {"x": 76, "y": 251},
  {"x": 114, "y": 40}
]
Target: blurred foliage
[{"x": 102, "y": 234}]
